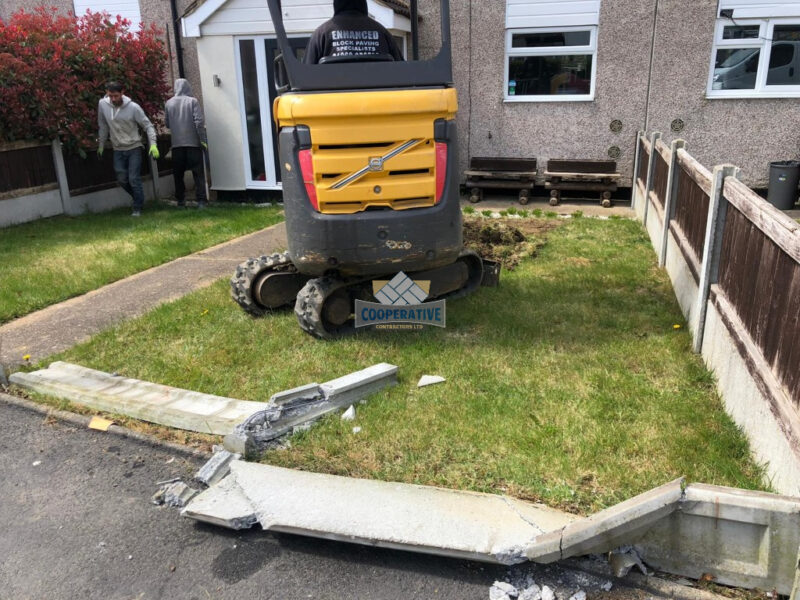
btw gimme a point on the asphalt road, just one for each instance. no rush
(76, 521)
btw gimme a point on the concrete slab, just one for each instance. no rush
(223, 504)
(475, 526)
(61, 326)
(173, 407)
(588, 206)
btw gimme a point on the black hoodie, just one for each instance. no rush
(350, 33)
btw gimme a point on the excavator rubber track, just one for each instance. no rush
(246, 280)
(324, 305)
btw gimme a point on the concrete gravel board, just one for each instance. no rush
(743, 538)
(471, 525)
(173, 407)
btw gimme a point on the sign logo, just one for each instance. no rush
(376, 163)
(401, 300)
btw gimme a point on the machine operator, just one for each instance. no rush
(351, 33)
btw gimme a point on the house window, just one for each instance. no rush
(128, 9)
(755, 58)
(550, 64)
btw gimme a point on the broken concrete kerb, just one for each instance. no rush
(296, 408)
(742, 538)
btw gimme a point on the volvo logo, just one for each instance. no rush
(375, 163)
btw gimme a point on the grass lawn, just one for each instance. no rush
(50, 260)
(568, 384)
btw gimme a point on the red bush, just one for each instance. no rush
(53, 71)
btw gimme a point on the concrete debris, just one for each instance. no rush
(501, 590)
(158, 497)
(356, 429)
(223, 504)
(304, 393)
(36, 463)
(430, 380)
(216, 468)
(349, 414)
(606, 587)
(168, 481)
(623, 559)
(286, 411)
(178, 494)
(532, 592)
(579, 595)
(742, 538)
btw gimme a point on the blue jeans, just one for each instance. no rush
(128, 166)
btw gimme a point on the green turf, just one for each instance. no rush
(50, 260)
(568, 384)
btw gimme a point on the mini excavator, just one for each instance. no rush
(368, 155)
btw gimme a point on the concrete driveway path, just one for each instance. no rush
(61, 326)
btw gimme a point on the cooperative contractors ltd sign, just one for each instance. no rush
(400, 301)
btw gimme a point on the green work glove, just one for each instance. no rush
(154, 152)
(204, 145)
(100, 151)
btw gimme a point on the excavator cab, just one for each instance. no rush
(368, 153)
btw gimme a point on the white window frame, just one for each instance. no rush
(764, 44)
(590, 50)
(265, 112)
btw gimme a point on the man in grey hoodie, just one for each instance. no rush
(121, 118)
(184, 117)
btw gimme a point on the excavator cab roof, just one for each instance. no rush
(334, 75)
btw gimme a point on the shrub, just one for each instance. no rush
(53, 70)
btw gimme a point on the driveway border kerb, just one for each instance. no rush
(83, 421)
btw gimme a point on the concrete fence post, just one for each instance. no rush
(654, 137)
(669, 201)
(637, 156)
(709, 267)
(61, 174)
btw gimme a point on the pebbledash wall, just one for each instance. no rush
(676, 36)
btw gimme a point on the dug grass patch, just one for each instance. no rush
(568, 384)
(54, 259)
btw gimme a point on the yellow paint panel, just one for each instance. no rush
(293, 109)
(350, 128)
(100, 423)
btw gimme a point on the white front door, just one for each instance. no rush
(254, 57)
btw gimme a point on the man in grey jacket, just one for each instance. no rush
(184, 117)
(121, 118)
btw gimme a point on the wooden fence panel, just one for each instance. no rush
(644, 161)
(26, 167)
(762, 283)
(660, 177)
(691, 211)
(92, 174)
